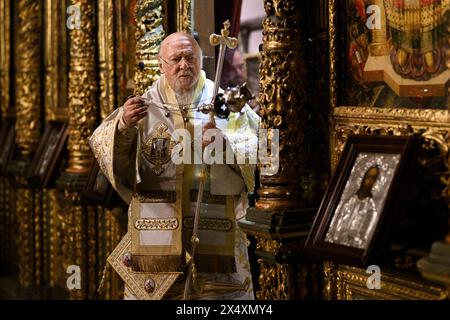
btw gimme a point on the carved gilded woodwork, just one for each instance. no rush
(28, 75)
(76, 243)
(350, 283)
(268, 245)
(149, 35)
(54, 235)
(79, 236)
(115, 230)
(104, 235)
(433, 125)
(106, 20)
(37, 223)
(45, 278)
(282, 280)
(55, 62)
(105, 227)
(82, 89)
(5, 61)
(344, 282)
(28, 125)
(273, 279)
(9, 222)
(184, 22)
(25, 238)
(282, 100)
(111, 229)
(93, 255)
(329, 283)
(61, 250)
(332, 17)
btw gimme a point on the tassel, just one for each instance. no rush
(140, 263)
(215, 263)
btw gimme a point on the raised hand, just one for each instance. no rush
(135, 110)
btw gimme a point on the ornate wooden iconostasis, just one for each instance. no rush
(383, 82)
(65, 65)
(373, 90)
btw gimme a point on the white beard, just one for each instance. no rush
(185, 98)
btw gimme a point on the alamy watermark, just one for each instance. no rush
(74, 280)
(74, 19)
(373, 17)
(228, 147)
(374, 280)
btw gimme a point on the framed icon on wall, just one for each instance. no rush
(364, 199)
(49, 154)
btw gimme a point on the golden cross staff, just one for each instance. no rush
(224, 40)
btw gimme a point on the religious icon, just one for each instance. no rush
(358, 211)
(49, 154)
(45, 159)
(157, 148)
(160, 148)
(365, 199)
(397, 53)
(358, 51)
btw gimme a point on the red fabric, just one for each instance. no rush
(361, 8)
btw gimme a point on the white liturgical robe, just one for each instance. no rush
(143, 165)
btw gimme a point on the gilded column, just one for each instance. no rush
(78, 247)
(273, 278)
(25, 238)
(184, 22)
(55, 46)
(93, 241)
(82, 104)
(82, 88)
(5, 47)
(149, 35)
(106, 56)
(117, 228)
(28, 126)
(281, 216)
(55, 236)
(333, 58)
(28, 75)
(38, 223)
(103, 252)
(11, 218)
(282, 101)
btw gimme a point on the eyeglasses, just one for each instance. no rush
(174, 61)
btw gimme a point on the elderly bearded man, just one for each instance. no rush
(133, 147)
